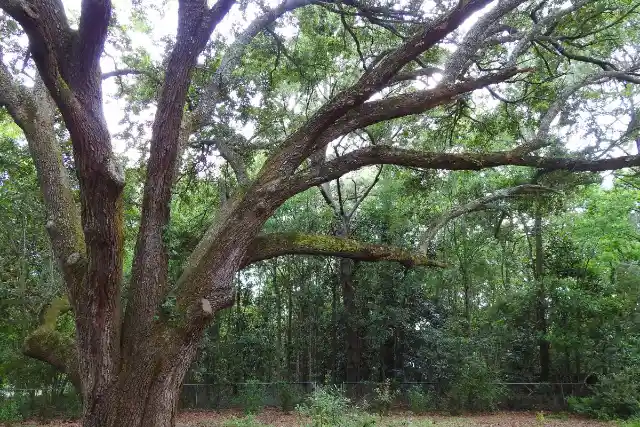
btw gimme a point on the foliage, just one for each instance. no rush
(419, 400)
(383, 397)
(475, 387)
(289, 396)
(247, 421)
(617, 396)
(251, 397)
(9, 411)
(326, 407)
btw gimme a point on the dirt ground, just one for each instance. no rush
(276, 418)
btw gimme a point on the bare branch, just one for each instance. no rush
(130, 72)
(414, 74)
(214, 92)
(475, 206)
(365, 194)
(541, 139)
(272, 245)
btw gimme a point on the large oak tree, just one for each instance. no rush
(127, 360)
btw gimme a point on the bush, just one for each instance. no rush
(288, 397)
(248, 421)
(9, 411)
(420, 401)
(251, 397)
(617, 396)
(326, 407)
(475, 387)
(383, 398)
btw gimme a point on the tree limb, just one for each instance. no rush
(216, 88)
(50, 346)
(474, 206)
(298, 146)
(476, 38)
(149, 272)
(411, 103)
(381, 154)
(272, 245)
(33, 111)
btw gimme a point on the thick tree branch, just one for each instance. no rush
(216, 89)
(272, 245)
(458, 62)
(70, 69)
(92, 31)
(541, 138)
(381, 154)
(304, 141)
(33, 111)
(207, 273)
(411, 103)
(150, 266)
(50, 346)
(475, 206)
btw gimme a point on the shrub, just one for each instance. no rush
(9, 411)
(248, 421)
(358, 420)
(475, 387)
(419, 400)
(288, 397)
(383, 397)
(251, 397)
(616, 396)
(326, 407)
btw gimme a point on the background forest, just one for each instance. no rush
(504, 276)
(536, 287)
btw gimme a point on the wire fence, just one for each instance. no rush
(218, 396)
(520, 395)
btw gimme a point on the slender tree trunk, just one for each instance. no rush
(352, 339)
(289, 330)
(541, 305)
(334, 332)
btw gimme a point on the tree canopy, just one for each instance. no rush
(264, 130)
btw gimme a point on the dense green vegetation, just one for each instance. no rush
(460, 327)
(322, 213)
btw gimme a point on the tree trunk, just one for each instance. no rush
(541, 305)
(352, 339)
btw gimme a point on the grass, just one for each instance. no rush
(276, 418)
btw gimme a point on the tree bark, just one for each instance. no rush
(541, 304)
(352, 335)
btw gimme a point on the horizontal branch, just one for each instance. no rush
(412, 103)
(50, 346)
(130, 72)
(273, 245)
(382, 154)
(475, 206)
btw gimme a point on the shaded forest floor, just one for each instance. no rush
(277, 418)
